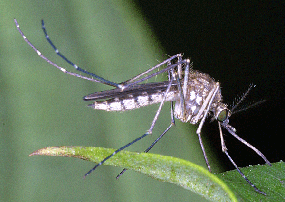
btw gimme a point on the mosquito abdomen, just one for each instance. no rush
(132, 102)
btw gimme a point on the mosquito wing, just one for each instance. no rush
(132, 97)
(133, 91)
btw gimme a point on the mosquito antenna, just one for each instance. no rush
(248, 106)
(242, 97)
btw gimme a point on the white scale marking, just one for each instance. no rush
(129, 104)
(199, 100)
(143, 100)
(192, 95)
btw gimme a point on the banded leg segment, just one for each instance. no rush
(48, 60)
(102, 80)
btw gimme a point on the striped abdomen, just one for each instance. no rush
(132, 98)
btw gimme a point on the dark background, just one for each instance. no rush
(237, 43)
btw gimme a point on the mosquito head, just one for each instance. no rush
(222, 113)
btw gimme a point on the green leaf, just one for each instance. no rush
(164, 168)
(269, 179)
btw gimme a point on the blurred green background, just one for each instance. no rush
(40, 106)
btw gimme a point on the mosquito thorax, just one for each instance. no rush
(199, 86)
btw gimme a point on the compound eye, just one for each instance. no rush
(223, 115)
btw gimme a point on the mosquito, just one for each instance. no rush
(194, 96)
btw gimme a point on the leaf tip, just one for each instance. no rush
(51, 151)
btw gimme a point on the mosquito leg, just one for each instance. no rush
(151, 69)
(179, 67)
(126, 85)
(167, 129)
(172, 122)
(198, 132)
(186, 77)
(139, 138)
(154, 143)
(224, 149)
(231, 130)
(147, 150)
(110, 83)
(205, 109)
(49, 61)
(115, 152)
(204, 152)
(180, 90)
(160, 107)
(164, 132)
(249, 182)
